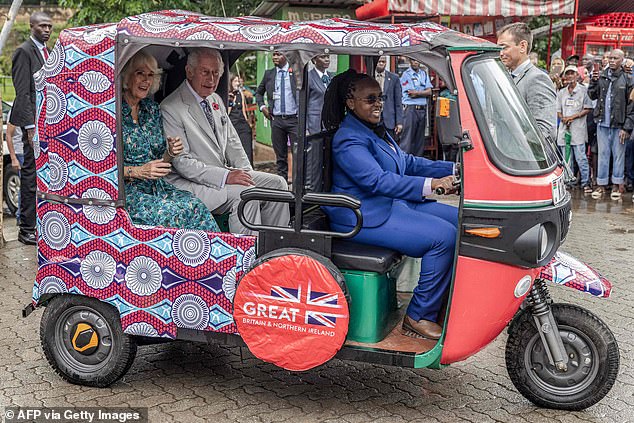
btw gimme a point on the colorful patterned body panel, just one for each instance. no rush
(566, 270)
(183, 25)
(159, 279)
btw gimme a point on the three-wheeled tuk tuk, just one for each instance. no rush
(301, 295)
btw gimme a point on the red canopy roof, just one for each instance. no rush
(380, 8)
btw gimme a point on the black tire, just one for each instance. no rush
(98, 365)
(11, 187)
(584, 335)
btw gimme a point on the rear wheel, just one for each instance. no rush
(593, 359)
(83, 341)
(11, 187)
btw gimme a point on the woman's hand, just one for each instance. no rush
(446, 183)
(174, 146)
(151, 170)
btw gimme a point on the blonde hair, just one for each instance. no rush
(142, 58)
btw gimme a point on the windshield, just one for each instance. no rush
(511, 137)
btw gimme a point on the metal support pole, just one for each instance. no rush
(574, 28)
(550, 42)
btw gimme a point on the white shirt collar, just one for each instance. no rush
(521, 67)
(284, 68)
(38, 44)
(320, 73)
(194, 93)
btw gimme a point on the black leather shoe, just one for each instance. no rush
(27, 238)
(421, 329)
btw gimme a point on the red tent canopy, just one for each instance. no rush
(509, 8)
(380, 8)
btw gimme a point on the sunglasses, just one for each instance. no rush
(372, 99)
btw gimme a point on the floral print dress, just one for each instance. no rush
(156, 202)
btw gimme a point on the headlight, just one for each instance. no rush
(543, 242)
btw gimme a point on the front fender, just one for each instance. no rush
(566, 270)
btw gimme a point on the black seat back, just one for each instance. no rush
(318, 162)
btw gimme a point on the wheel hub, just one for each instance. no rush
(581, 369)
(84, 339)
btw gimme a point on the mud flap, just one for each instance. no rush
(566, 270)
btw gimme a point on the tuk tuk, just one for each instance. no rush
(301, 295)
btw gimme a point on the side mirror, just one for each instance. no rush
(448, 121)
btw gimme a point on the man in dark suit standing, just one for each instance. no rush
(28, 59)
(393, 105)
(281, 108)
(318, 80)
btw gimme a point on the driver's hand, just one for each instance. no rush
(447, 183)
(239, 177)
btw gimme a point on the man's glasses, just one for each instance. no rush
(372, 99)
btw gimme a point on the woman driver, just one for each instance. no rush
(391, 185)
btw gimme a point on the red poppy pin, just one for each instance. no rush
(290, 70)
(215, 106)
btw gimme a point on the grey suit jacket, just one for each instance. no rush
(207, 155)
(315, 102)
(538, 91)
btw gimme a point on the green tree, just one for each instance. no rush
(103, 11)
(540, 45)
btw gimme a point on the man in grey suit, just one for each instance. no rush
(214, 165)
(318, 80)
(534, 86)
(390, 83)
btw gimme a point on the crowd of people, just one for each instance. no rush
(586, 105)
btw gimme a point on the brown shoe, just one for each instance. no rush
(421, 329)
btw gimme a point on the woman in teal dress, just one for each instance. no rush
(147, 155)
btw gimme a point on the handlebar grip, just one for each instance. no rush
(333, 200)
(440, 191)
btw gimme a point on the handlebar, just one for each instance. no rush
(441, 190)
(320, 199)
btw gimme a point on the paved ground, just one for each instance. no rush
(192, 382)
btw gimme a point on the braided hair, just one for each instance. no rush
(340, 89)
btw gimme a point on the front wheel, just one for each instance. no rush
(83, 341)
(593, 359)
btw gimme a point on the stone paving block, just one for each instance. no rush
(185, 382)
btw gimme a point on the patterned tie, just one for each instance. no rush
(326, 79)
(283, 92)
(208, 114)
(45, 53)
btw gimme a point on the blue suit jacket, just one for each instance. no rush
(393, 106)
(365, 167)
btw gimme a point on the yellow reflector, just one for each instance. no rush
(484, 232)
(443, 107)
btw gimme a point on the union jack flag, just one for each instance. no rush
(316, 307)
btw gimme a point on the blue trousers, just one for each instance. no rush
(426, 230)
(629, 158)
(579, 153)
(413, 135)
(610, 147)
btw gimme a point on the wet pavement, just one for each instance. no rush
(188, 382)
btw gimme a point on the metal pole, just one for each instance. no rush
(550, 41)
(574, 28)
(6, 28)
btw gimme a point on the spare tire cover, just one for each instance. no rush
(292, 312)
